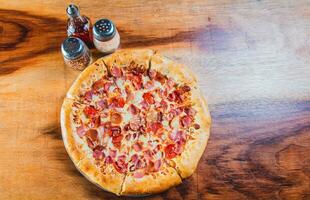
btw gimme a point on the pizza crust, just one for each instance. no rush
(121, 58)
(107, 178)
(86, 78)
(179, 72)
(149, 184)
(189, 159)
(73, 144)
(187, 162)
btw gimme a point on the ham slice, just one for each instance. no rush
(129, 97)
(135, 123)
(190, 111)
(112, 153)
(169, 116)
(149, 85)
(98, 155)
(120, 165)
(186, 121)
(196, 126)
(94, 122)
(157, 165)
(121, 158)
(133, 109)
(170, 151)
(137, 147)
(81, 130)
(164, 104)
(90, 143)
(107, 86)
(148, 97)
(90, 111)
(186, 88)
(103, 104)
(108, 160)
(145, 105)
(160, 78)
(116, 72)
(136, 81)
(134, 158)
(92, 134)
(152, 73)
(179, 148)
(160, 116)
(98, 85)
(170, 83)
(177, 136)
(155, 127)
(139, 164)
(147, 155)
(138, 174)
(88, 95)
(117, 91)
(127, 137)
(115, 118)
(118, 102)
(163, 93)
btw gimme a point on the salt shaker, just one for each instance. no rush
(76, 54)
(105, 36)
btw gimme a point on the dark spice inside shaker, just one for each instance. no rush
(76, 54)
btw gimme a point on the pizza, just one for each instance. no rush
(135, 123)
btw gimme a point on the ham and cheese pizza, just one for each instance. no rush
(135, 123)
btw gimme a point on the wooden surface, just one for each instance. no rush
(252, 59)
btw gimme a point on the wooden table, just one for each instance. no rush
(252, 59)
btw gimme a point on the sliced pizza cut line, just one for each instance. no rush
(84, 149)
(186, 162)
(73, 144)
(154, 182)
(86, 79)
(187, 145)
(137, 60)
(180, 73)
(103, 176)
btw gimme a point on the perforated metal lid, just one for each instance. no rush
(72, 10)
(72, 48)
(104, 30)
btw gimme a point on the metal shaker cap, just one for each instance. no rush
(72, 10)
(104, 30)
(72, 48)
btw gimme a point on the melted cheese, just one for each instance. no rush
(95, 97)
(138, 97)
(175, 123)
(126, 117)
(158, 85)
(145, 79)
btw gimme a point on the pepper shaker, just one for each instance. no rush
(106, 37)
(76, 54)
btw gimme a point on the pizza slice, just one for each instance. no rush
(187, 119)
(90, 84)
(139, 183)
(74, 144)
(147, 172)
(89, 146)
(137, 60)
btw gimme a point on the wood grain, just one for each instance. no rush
(252, 60)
